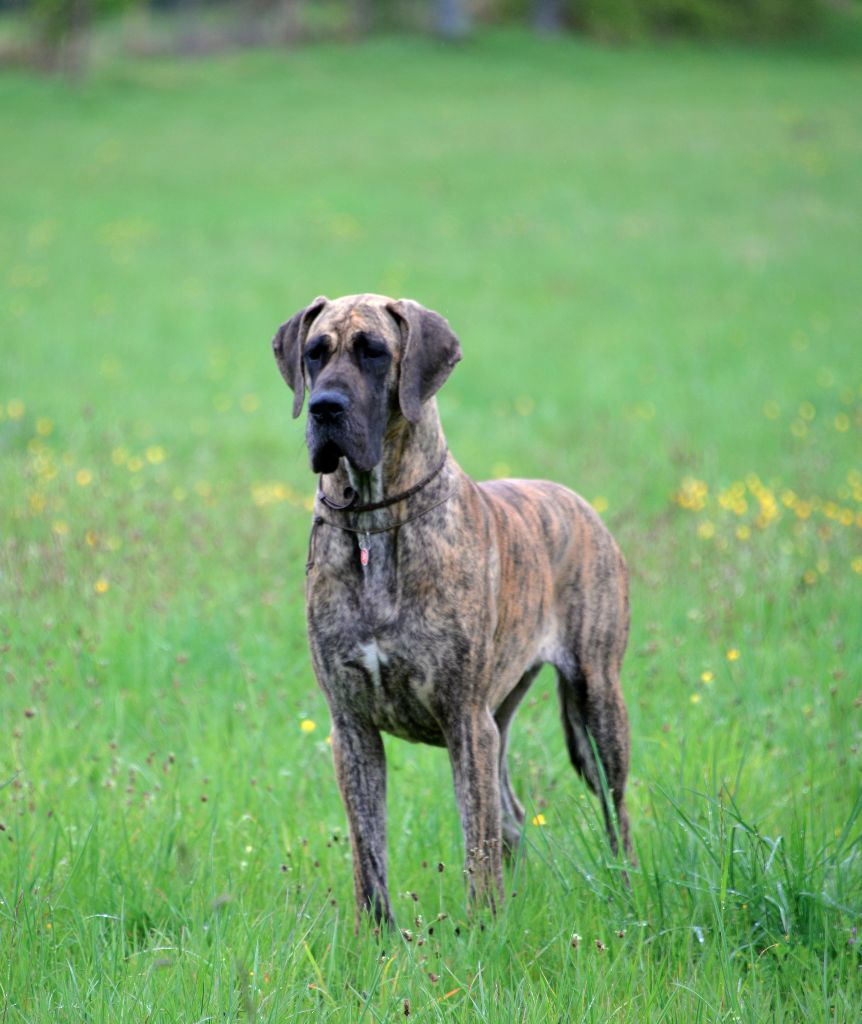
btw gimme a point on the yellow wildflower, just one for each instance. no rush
(733, 654)
(307, 725)
(101, 586)
(269, 493)
(539, 819)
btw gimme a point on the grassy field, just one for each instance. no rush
(652, 258)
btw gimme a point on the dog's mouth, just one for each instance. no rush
(326, 451)
(325, 457)
(328, 443)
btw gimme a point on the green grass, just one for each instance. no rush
(652, 259)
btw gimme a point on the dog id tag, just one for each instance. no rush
(363, 552)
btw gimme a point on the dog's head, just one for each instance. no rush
(365, 360)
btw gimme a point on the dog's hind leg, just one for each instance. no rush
(595, 720)
(513, 811)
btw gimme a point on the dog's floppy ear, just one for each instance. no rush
(287, 348)
(430, 352)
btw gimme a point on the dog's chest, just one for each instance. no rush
(374, 659)
(396, 687)
(380, 626)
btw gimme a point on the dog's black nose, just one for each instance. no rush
(328, 405)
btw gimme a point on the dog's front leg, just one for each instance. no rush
(360, 767)
(474, 749)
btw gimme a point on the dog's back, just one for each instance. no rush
(550, 537)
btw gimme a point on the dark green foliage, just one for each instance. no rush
(626, 20)
(630, 19)
(62, 27)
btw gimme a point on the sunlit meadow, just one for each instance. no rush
(652, 259)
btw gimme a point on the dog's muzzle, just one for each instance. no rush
(328, 429)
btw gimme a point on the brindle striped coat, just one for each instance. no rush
(434, 629)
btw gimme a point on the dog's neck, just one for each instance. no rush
(410, 453)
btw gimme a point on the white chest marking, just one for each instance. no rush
(372, 658)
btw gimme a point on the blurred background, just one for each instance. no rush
(644, 222)
(61, 33)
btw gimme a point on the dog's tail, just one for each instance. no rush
(596, 728)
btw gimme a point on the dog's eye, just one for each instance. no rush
(369, 350)
(317, 352)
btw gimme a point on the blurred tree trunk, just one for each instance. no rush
(291, 20)
(191, 34)
(63, 31)
(362, 21)
(268, 22)
(453, 19)
(79, 37)
(548, 15)
(250, 31)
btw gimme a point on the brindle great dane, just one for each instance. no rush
(432, 600)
